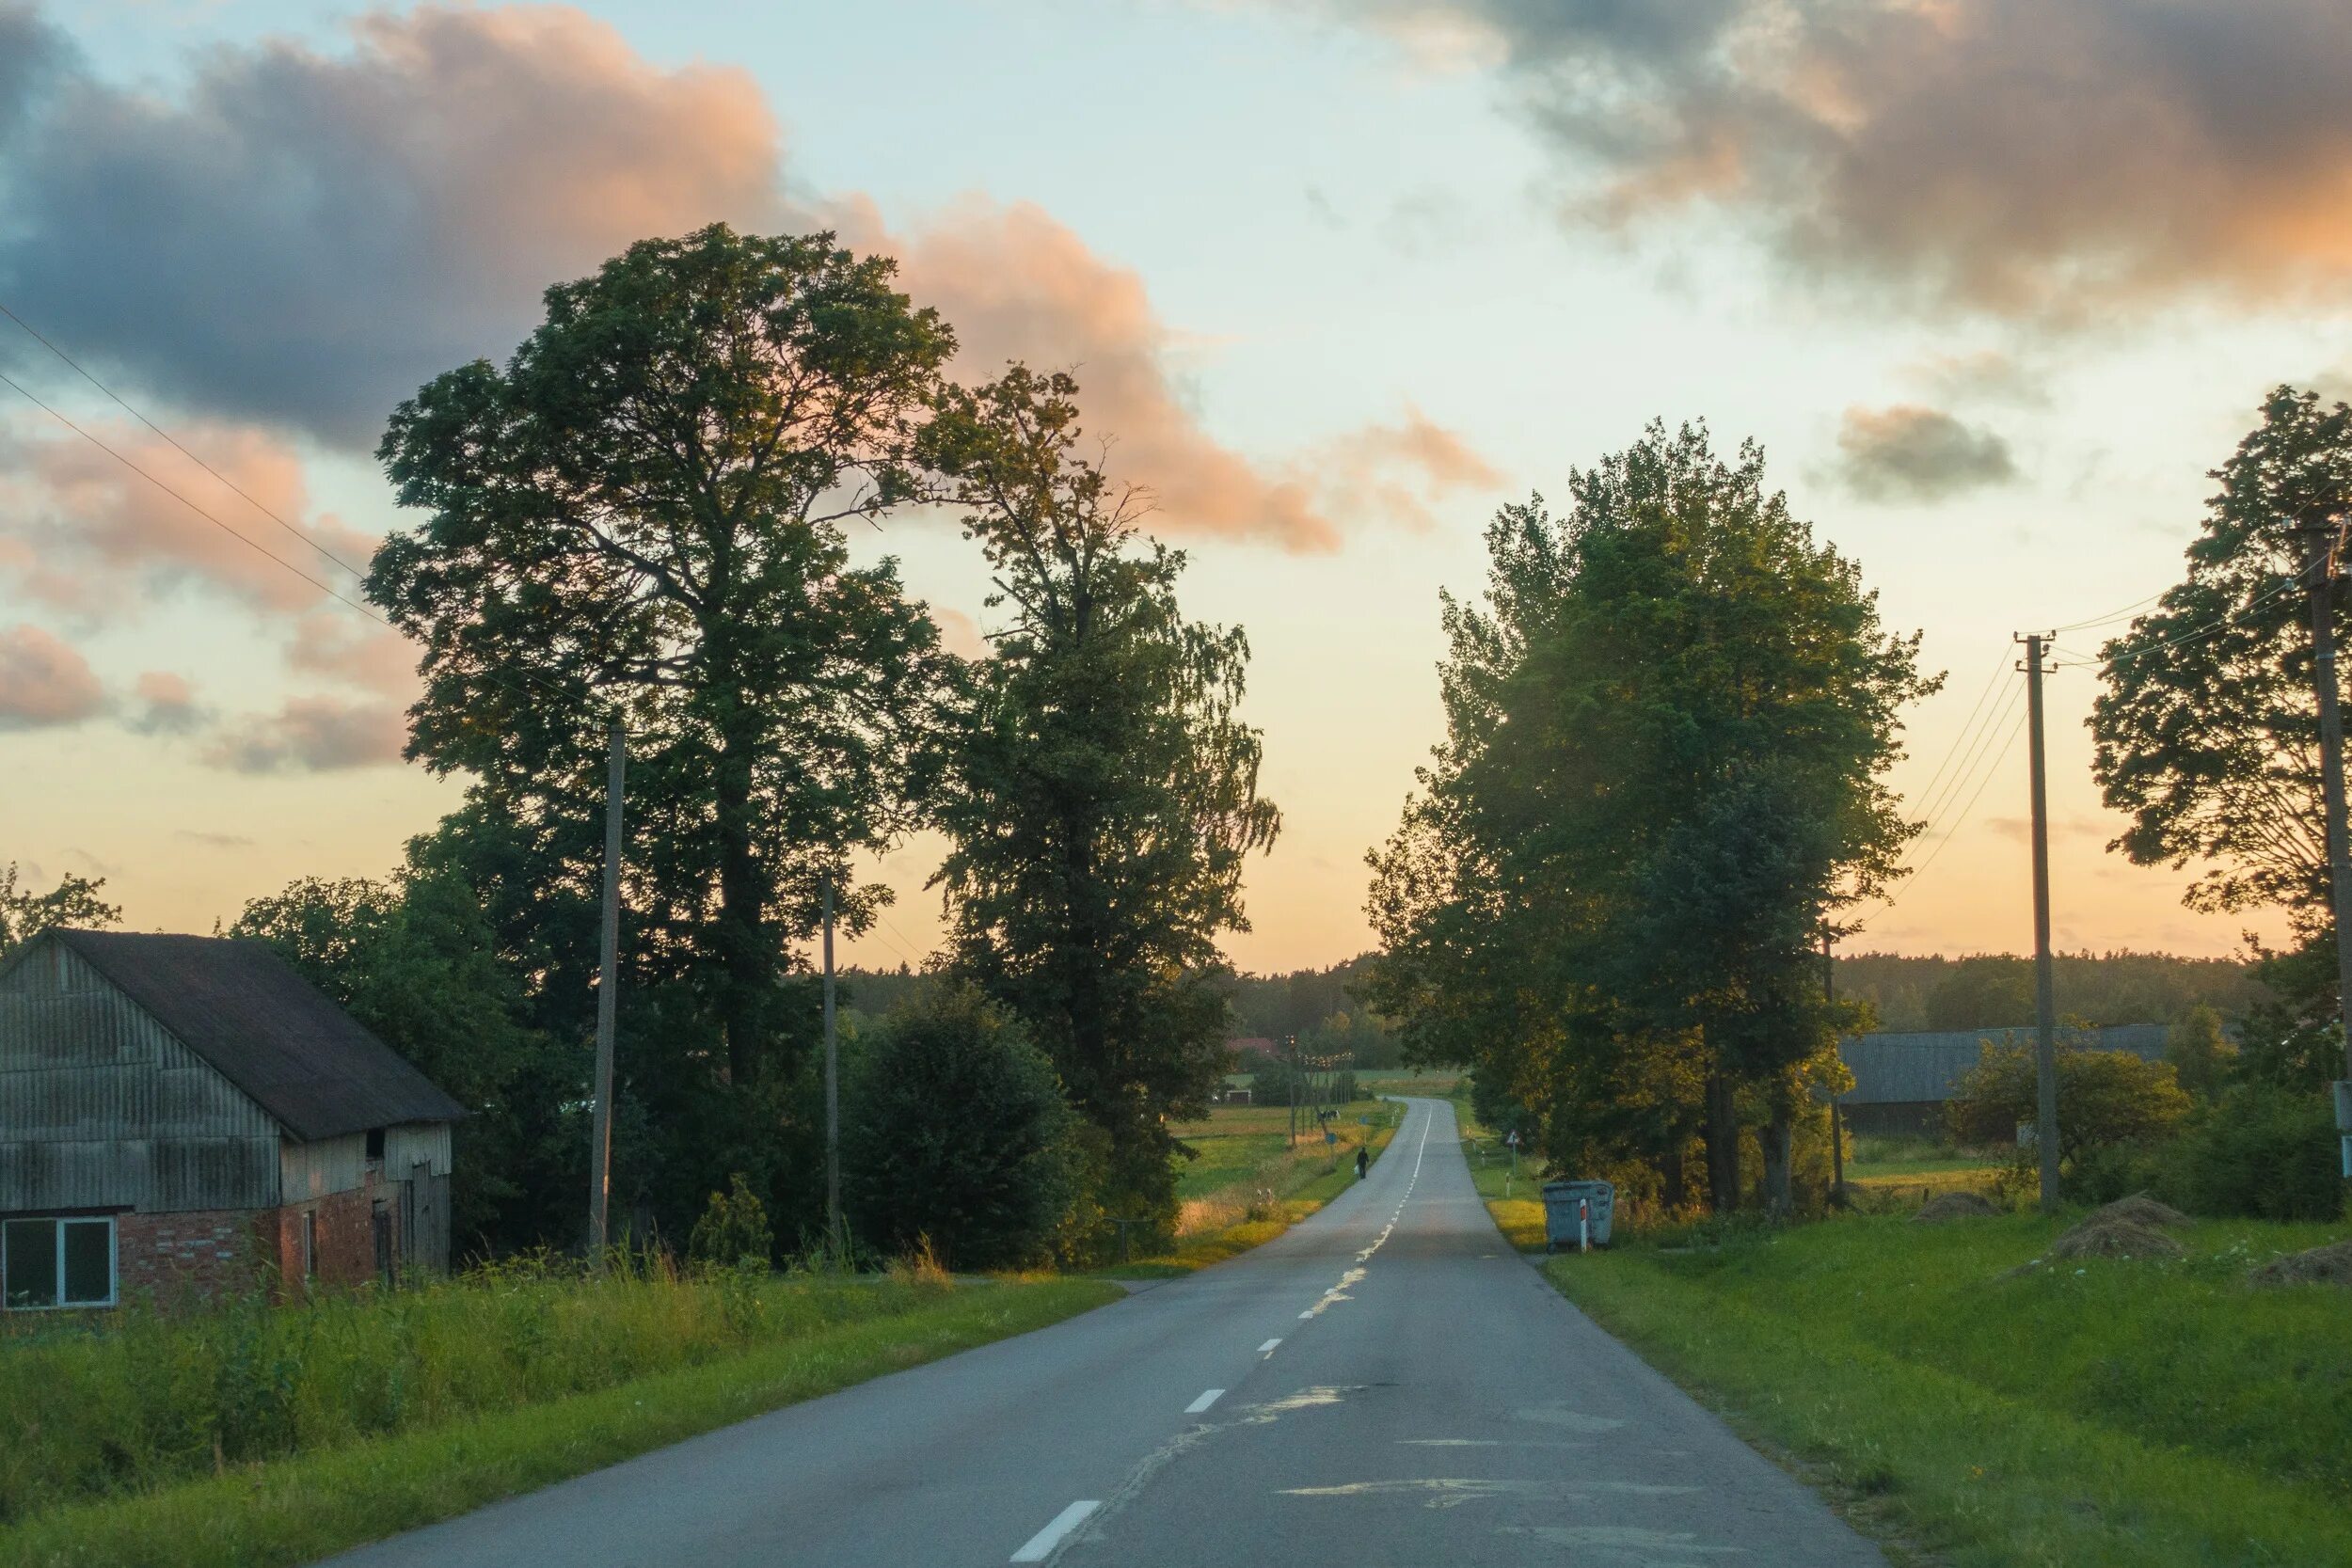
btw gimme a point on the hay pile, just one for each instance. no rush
(2114, 1238)
(2138, 1208)
(2322, 1265)
(1952, 1206)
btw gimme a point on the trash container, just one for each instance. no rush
(1575, 1208)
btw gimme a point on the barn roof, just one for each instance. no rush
(267, 1030)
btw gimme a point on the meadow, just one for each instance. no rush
(1963, 1399)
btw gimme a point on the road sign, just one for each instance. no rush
(1330, 1137)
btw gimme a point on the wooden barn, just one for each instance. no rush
(180, 1113)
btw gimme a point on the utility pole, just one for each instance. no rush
(2321, 541)
(1292, 1040)
(608, 996)
(2045, 1003)
(1837, 1133)
(832, 1090)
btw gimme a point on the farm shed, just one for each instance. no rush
(1901, 1081)
(179, 1113)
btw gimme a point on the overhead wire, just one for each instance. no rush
(1911, 878)
(1966, 726)
(177, 445)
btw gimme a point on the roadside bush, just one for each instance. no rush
(2260, 1152)
(734, 1230)
(955, 1130)
(2105, 1098)
(2201, 1055)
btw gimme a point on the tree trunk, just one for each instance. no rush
(1778, 1138)
(1723, 1143)
(744, 953)
(1677, 1181)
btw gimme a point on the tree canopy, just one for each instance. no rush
(641, 514)
(1102, 790)
(1668, 728)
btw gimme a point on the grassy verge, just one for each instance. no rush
(1249, 1185)
(306, 1504)
(1894, 1167)
(1514, 1198)
(2085, 1414)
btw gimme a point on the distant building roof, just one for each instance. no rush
(266, 1029)
(1915, 1068)
(1258, 1043)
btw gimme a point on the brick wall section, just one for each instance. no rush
(346, 1234)
(170, 1257)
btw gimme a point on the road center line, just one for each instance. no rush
(1042, 1545)
(1204, 1402)
(1267, 1349)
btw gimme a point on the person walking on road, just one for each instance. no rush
(1363, 1162)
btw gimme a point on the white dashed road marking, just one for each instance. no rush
(1267, 1349)
(1042, 1545)
(1204, 1402)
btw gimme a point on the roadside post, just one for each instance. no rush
(1583, 1225)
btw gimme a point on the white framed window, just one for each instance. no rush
(57, 1262)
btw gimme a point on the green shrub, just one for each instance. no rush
(2260, 1152)
(2103, 1174)
(955, 1130)
(2105, 1097)
(734, 1230)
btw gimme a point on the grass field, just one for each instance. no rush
(1514, 1196)
(1249, 1184)
(2096, 1412)
(1896, 1166)
(261, 1437)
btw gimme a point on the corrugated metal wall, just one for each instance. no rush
(100, 1108)
(1919, 1067)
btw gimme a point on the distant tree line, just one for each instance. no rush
(1994, 990)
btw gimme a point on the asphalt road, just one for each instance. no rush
(1386, 1384)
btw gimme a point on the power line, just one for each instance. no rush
(245, 540)
(176, 444)
(1911, 878)
(1930, 810)
(249, 541)
(2210, 628)
(1967, 725)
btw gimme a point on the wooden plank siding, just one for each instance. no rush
(100, 1108)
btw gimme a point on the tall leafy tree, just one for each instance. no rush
(1102, 790)
(2206, 732)
(644, 510)
(1668, 728)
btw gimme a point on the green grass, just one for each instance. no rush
(1263, 1185)
(2102, 1413)
(393, 1414)
(1905, 1162)
(1515, 1198)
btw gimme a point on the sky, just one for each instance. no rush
(1994, 284)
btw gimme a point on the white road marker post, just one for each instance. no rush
(1583, 1225)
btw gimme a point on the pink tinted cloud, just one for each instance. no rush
(311, 734)
(304, 236)
(165, 705)
(43, 681)
(1017, 284)
(340, 644)
(84, 531)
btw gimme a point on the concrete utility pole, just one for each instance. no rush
(608, 996)
(1837, 1133)
(2321, 541)
(833, 1089)
(2044, 1003)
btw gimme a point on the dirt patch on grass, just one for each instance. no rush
(1953, 1206)
(2322, 1265)
(2138, 1208)
(2098, 1238)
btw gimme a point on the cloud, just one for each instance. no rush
(43, 683)
(1991, 375)
(299, 238)
(1019, 285)
(213, 841)
(2030, 159)
(166, 705)
(1398, 472)
(959, 633)
(1908, 454)
(311, 734)
(82, 532)
(305, 238)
